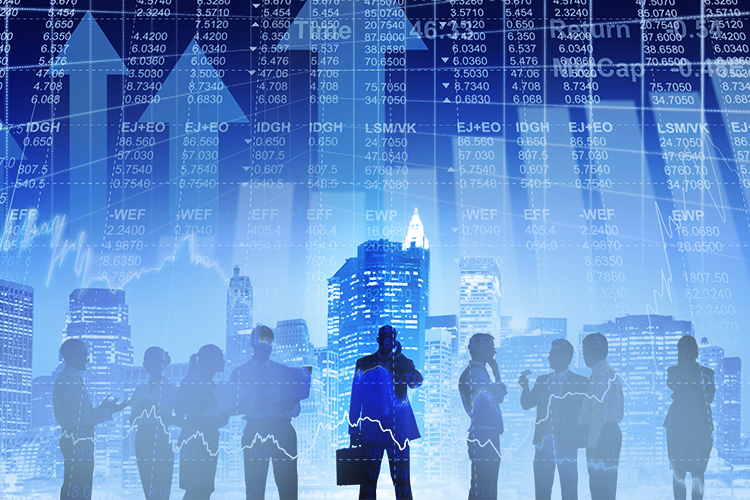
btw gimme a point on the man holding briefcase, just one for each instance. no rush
(381, 418)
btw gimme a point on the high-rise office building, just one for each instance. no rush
(292, 347)
(99, 317)
(712, 356)
(239, 320)
(42, 412)
(16, 328)
(386, 283)
(291, 343)
(479, 301)
(439, 396)
(732, 410)
(239, 326)
(641, 348)
(328, 364)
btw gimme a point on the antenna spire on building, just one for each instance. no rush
(415, 234)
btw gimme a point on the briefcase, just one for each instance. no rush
(352, 466)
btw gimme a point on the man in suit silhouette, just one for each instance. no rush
(602, 411)
(276, 391)
(558, 397)
(381, 418)
(77, 418)
(481, 398)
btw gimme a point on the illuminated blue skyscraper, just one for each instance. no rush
(712, 356)
(42, 413)
(386, 283)
(731, 411)
(99, 317)
(16, 327)
(239, 320)
(443, 422)
(479, 301)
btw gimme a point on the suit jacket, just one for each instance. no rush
(481, 397)
(564, 421)
(379, 392)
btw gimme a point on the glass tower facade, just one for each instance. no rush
(731, 411)
(99, 317)
(386, 283)
(239, 320)
(16, 328)
(479, 301)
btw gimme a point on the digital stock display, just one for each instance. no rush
(177, 172)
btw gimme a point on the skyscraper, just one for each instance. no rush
(16, 328)
(731, 411)
(99, 317)
(712, 356)
(479, 301)
(239, 325)
(292, 347)
(42, 413)
(439, 394)
(328, 363)
(239, 320)
(386, 283)
(641, 348)
(291, 343)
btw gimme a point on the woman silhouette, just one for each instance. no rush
(689, 421)
(153, 404)
(199, 438)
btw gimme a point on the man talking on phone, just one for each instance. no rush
(481, 397)
(381, 418)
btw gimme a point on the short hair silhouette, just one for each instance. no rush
(480, 341)
(565, 347)
(72, 348)
(597, 344)
(264, 333)
(387, 330)
(688, 347)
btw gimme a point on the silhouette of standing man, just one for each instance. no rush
(602, 411)
(77, 418)
(379, 399)
(558, 397)
(275, 394)
(199, 438)
(689, 421)
(153, 413)
(481, 398)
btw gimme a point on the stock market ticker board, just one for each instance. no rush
(175, 172)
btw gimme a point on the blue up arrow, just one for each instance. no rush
(198, 107)
(356, 44)
(88, 58)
